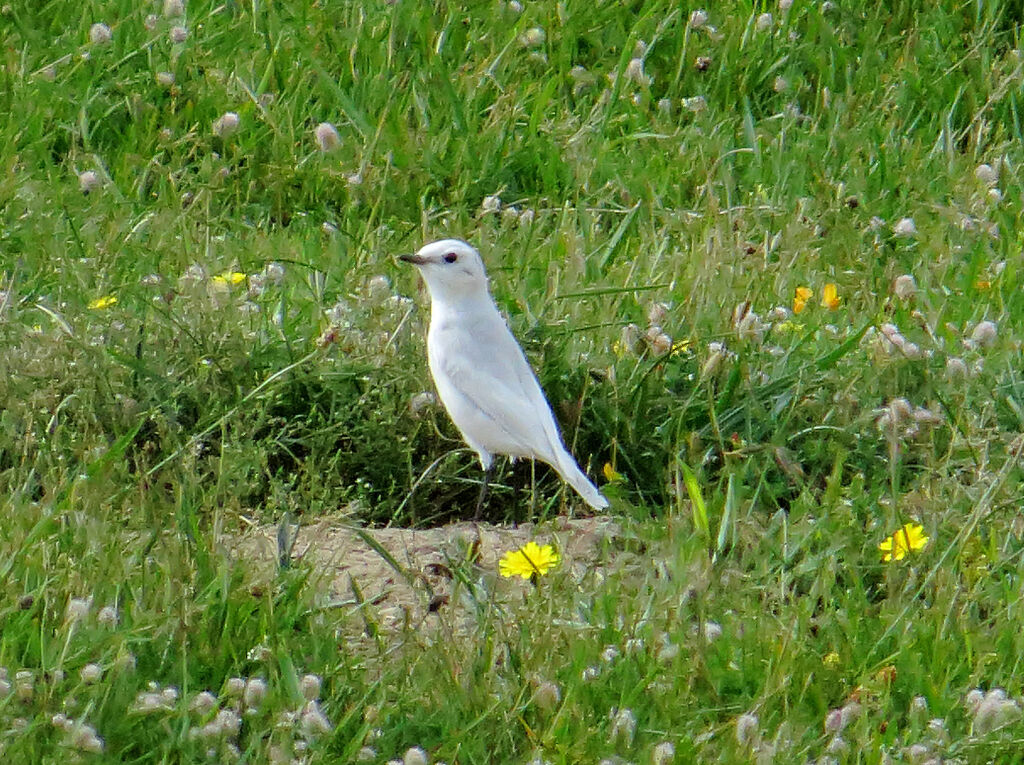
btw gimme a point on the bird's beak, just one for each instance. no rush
(416, 260)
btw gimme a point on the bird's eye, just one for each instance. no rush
(451, 257)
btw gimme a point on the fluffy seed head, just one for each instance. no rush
(88, 180)
(747, 729)
(310, 687)
(698, 19)
(91, 673)
(987, 174)
(100, 34)
(165, 79)
(663, 753)
(226, 125)
(623, 726)
(764, 22)
(415, 756)
(904, 287)
(984, 335)
(255, 692)
(174, 8)
(327, 138)
(905, 228)
(547, 696)
(179, 33)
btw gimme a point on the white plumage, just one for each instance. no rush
(481, 374)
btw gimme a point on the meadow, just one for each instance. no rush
(765, 259)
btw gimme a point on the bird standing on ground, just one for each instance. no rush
(481, 374)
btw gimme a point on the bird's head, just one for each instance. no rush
(452, 269)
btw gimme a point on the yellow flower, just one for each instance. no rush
(103, 302)
(830, 297)
(529, 560)
(803, 294)
(611, 475)
(680, 347)
(789, 326)
(910, 538)
(831, 660)
(982, 284)
(228, 279)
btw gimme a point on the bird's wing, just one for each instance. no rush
(485, 364)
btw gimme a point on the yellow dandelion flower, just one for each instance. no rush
(803, 294)
(102, 302)
(529, 560)
(229, 279)
(830, 297)
(680, 347)
(611, 475)
(910, 538)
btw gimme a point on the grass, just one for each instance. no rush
(653, 221)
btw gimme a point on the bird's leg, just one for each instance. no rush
(488, 475)
(533, 489)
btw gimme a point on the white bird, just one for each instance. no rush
(481, 374)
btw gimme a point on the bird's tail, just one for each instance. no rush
(572, 475)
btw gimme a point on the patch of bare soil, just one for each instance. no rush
(420, 576)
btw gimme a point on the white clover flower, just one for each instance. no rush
(100, 34)
(228, 722)
(609, 654)
(515, 6)
(995, 196)
(547, 696)
(179, 34)
(61, 721)
(634, 646)
(174, 8)
(904, 287)
(747, 733)
(667, 653)
(169, 696)
(623, 726)
(509, 214)
(661, 344)
(985, 334)
(937, 729)
(785, 5)
(78, 609)
(226, 125)
(712, 631)
(635, 72)
(91, 673)
(234, 687)
(665, 106)
(837, 746)
(956, 369)
(354, 179)
(663, 754)
(987, 174)
(533, 37)
(203, 703)
(366, 754)
(415, 756)
(421, 401)
(698, 19)
(88, 181)
(695, 104)
(165, 79)
(526, 217)
(780, 85)
(995, 711)
(905, 228)
(309, 685)
(84, 738)
(255, 692)
(151, 21)
(764, 22)
(313, 721)
(590, 673)
(657, 312)
(327, 138)
(491, 204)
(24, 685)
